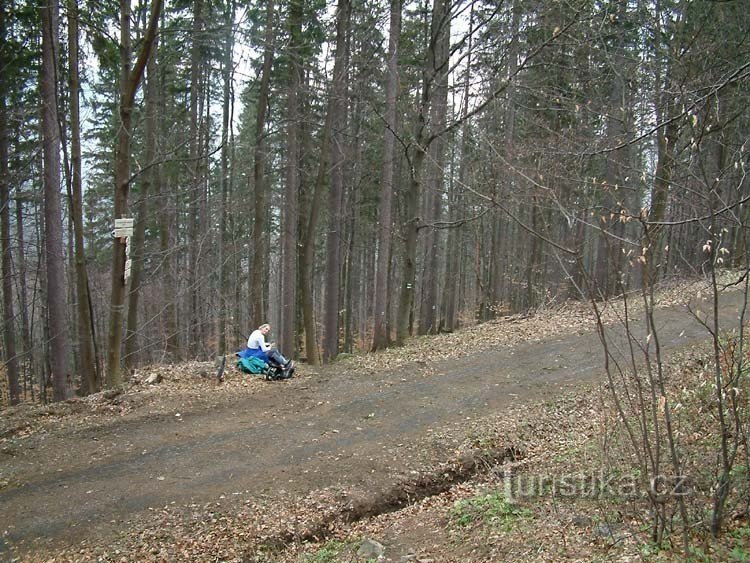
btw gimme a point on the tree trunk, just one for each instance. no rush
(27, 355)
(666, 137)
(203, 236)
(497, 268)
(609, 250)
(413, 194)
(90, 376)
(410, 233)
(259, 264)
(534, 264)
(453, 265)
(194, 198)
(334, 238)
(289, 229)
(9, 334)
(352, 269)
(137, 251)
(166, 248)
(129, 81)
(307, 257)
(53, 241)
(381, 338)
(665, 162)
(499, 284)
(223, 259)
(435, 174)
(350, 279)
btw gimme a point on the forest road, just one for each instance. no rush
(331, 428)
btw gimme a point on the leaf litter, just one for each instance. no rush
(556, 437)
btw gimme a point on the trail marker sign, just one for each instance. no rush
(123, 227)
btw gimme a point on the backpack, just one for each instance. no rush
(252, 365)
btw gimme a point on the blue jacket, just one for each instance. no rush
(253, 353)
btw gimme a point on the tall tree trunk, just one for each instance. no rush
(166, 248)
(381, 338)
(259, 264)
(453, 265)
(167, 218)
(339, 107)
(435, 175)
(352, 269)
(307, 257)
(410, 233)
(43, 353)
(138, 248)
(351, 278)
(129, 81)
(194, 198)
(90, 376)
(308, 190)
(666, 140)
(53, 241)
(534, 264)
(203, 236)
(9, 334)
(421, 143)
(497, 284)
(289, 227)
(28, 350)
(609, 251)
(224, 291)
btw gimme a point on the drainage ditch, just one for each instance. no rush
(399, 495)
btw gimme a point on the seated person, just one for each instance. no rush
(259, 348)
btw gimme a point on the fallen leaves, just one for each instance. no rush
(552, 438)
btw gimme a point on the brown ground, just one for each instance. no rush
(167, 471)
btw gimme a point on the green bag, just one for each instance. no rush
(253, 365)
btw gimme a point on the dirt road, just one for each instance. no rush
(323, 429)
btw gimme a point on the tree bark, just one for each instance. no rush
(307, 257)
(289, 233)
(453, 265)
(138, 246)
(339, 105)
(90, 376)
(129, 81)
(381, 338)
(665, 163)
(194, 209)
(609, 250)
(412, 224)
(435, 174)
(259, 263)
(53, 241)
(27, 355)
(225, 172)
(9, 334)
(166, 247)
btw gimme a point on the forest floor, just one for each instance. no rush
(493, 443)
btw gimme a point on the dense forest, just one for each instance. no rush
(354, 173)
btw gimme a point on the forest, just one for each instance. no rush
(354, 172)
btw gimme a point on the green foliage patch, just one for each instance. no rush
(491, 509)
(330, 552)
